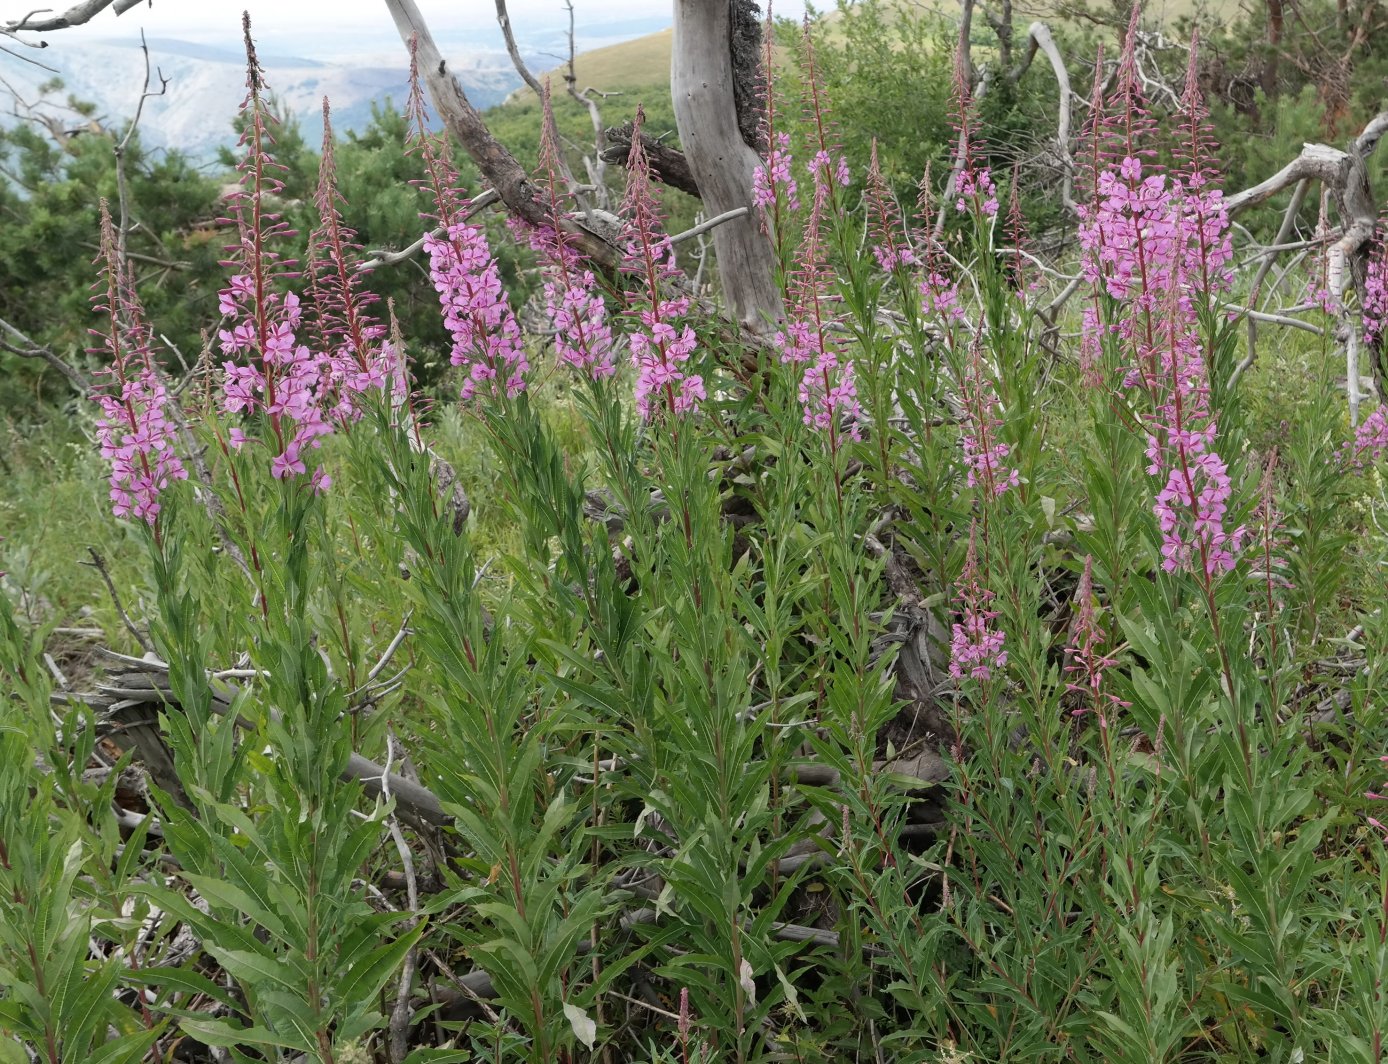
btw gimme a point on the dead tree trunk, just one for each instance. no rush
(1345, 174)
(467, 126)
(701, 83)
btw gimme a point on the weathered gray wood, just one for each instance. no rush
(701, 84)
(466, 125)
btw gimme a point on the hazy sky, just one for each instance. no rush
(201, 19)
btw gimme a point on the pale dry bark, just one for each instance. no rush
(43, 21)
(1344, 173)
(722, 163)
(465, 124)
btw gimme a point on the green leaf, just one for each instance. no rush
(366, 979)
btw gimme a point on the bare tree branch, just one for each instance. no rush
(667, 163)
(1039, 38)
(463, 121)
(381, 257)
(122, 184)
(24, 347)
(1268, 258)
(596, 164)
(76, 15)
(711, 223)
(1344, 177)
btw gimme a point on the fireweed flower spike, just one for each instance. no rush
(281, 376)
(975, 649)
(829, 165)
(133, 431)
(1086, 663)
(359, 356)
(888, 248)
(973, 184)
(1156, 244)
(582, 334)
(828, 392)
(661, 345)
(476, 309)
(984, 452)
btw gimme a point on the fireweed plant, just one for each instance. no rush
(922, 681)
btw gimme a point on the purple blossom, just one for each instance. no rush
(1158, 244)
(360, 359)
(775, 174)
(662, 344)
(1370, 441)
(268, 368)
(809, 337)
(1375, 301)
(1087, 664)
(573, 304)
(133, 430)
(976, 648)
(476, 312)
(984, 451)
(976, 188)
(890, 251)
(476, 309)
(829, 394)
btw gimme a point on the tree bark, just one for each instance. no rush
(1345, 173)
(667, 164)
(464, 123)
(701, 84)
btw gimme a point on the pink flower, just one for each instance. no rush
(889, 250)
(976, 648)
(662, 345)
(1375, 301)
(1370, 441)
(288, 463)
(133, 431)
(1158, 245)
(775, 174)
(984, 451)
(477, 312)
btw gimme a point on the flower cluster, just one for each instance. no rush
(573, 305)
(1370, 441)
(984, 451)
(890, 251)
(775, 173)
(829, 166)
(1190, 511)
(1375, 301)
(662, 344)
(975, 648)
(133, 429)
(971, 184)
(1087, 664)
(476, 309)
(1158, 244)
(360, 358)
(975, 186)
(828, 392)
(282, 376)
(268, 368)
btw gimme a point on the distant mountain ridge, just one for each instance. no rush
(207, 84)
